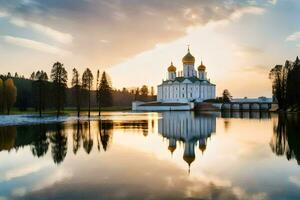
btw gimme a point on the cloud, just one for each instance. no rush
(293, 37)
(61, 37)
(247, 10)
(247, 50)
(261, 69)
(32, 44)
(56, 35)
(131, 26)
(3, 14)
(273, 2)
(104, 41)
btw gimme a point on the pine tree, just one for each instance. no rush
(296, 82)
(87, 83)
(77, 90)
(152, 91)
(32, 76)
(98, 92)
(276, 75)
(40, 90)
(105, 91)
(59, 76)
(137, 94)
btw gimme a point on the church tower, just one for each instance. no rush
(171, 72)
(201, 72)
(188, 65)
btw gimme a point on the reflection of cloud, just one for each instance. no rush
(108, 180)
(242, 194)
(2, 198)
(24, 170)
(55, 177)
(19, 192)
(32, 44)
(295, 180)
(293, 37)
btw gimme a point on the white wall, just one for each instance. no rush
(185, 92)
(136, 106)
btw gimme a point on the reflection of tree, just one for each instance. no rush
(58, 144)
(226, 124)
(77, 132)
(87, 138)
(278, 141)
(293, 131)
(105, 129)
(7, 137)
(40, 142)
(286, 137)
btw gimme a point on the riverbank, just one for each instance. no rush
(68, 110)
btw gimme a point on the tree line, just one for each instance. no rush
(42, 92)
(81, 88)
(286, 85)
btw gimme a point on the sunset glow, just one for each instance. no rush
(239, 41)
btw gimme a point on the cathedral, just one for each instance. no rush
(188, 85)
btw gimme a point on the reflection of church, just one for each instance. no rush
(188, 128)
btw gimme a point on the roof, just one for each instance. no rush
(192, 79)
(188, 58)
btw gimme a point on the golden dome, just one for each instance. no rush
(188, 58)
(171, 68)
(201, 67)
(189, 159)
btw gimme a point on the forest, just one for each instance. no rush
(286, 85)
(41, 92)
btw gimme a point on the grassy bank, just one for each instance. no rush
(70, 110)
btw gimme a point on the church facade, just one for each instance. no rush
(189, 85)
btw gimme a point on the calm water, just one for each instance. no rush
(171, 155)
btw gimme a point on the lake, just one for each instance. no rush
(168, 155)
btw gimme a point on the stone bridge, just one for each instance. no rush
(247, 106)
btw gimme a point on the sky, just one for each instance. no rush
(136, 40)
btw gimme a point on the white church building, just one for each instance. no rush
(185, 86)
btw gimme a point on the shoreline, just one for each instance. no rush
(67, 110)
